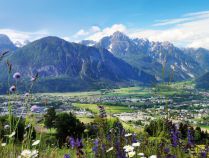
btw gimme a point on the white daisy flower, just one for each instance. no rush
(11, 135)
(110, 149)
(136, 144)
(141, 154)
(128, 148)
(128, 134)
(131, 154)
(29, 154)
(36, 143)
(34, 153)
(3, 144)
(26, 153)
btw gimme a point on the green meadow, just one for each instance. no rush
(168, 89)
(110, 109)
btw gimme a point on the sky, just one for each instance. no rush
(182, 22)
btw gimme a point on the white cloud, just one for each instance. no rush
(84, 33)
(190, 30)
(197, 13)
(95, 29)
(172, 35)
(21, 36)
(184, 18)
(107, 32)
(96, 33)
(81, 33)
(199, 43)
(66, 38)
(171, 21)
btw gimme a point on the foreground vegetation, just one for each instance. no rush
(62, 134)
(104, 137)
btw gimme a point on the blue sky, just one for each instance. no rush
(88, 19)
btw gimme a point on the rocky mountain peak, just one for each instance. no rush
(119, 36)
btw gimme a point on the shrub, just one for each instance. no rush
(50, 117)
(68, 125)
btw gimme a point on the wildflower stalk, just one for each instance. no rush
(9, 103)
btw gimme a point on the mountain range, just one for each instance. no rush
(161, 59)
(65, 66)
(115, 60)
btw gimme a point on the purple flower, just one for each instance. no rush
(16, 75)
(103, 148)
(134, 140)
(34, 78)
(170, 156)
(26, 95)
(79, 143)
(66, 156)
(166, 150)
(34, 108)
(96, 145)
(189, 137)
(203, 154)
(174, 137)
(119, 152)
(109, 137)
(12, 88)
(72, 142)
